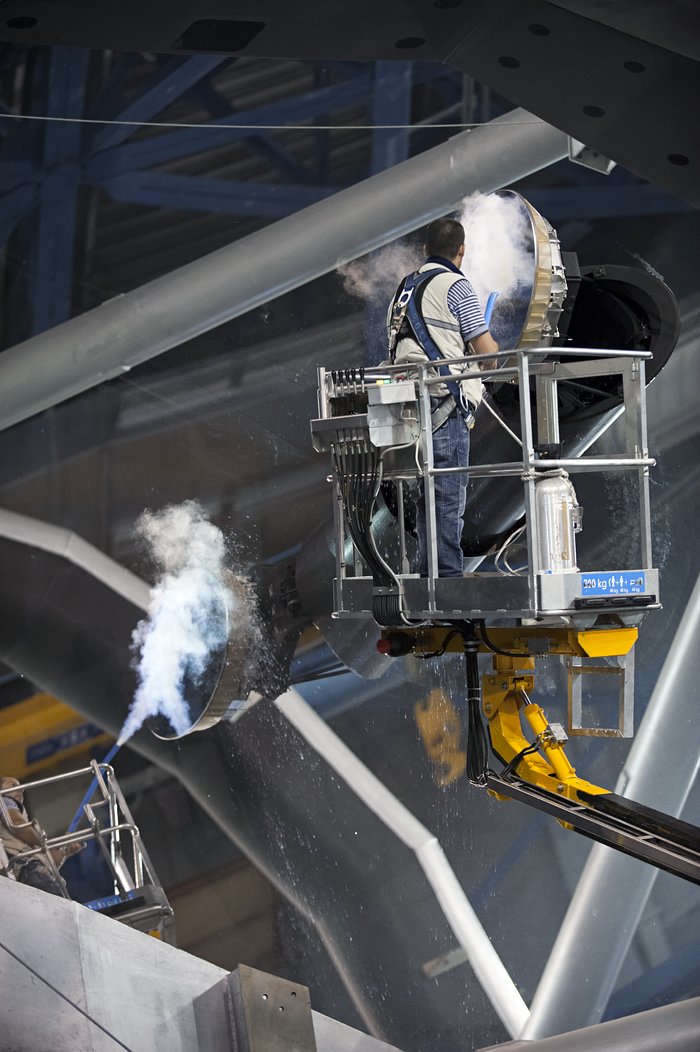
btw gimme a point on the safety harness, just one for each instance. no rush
(407, 320)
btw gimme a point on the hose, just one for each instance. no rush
(93, 785)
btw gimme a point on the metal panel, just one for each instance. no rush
(269, 1014)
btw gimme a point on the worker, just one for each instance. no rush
(18, 834)
(435, 315)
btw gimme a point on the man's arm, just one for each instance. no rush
(21, 829)
(463, 302)
(29, 835)
(484, 344)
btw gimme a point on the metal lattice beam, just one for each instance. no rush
(173, 81)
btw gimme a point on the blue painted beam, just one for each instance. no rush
(51, 277)
(109, 99)
(279, 158)
(184, 142)
(174, 81)
(391, 104)
(322, 137)
(200, 194)
(11, 54)
(6, 126)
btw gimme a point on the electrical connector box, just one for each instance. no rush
(385, 393)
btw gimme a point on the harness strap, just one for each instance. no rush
(442, 412)
(420, 331)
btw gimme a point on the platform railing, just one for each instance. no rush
(107, 821)
(547, 367)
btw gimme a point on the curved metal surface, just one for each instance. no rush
(528, 317)
(225, 686)
(621, 307)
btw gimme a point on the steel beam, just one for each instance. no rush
(391, 105)
(173, 81)
(57, 86)
(459, 913)
(282, 160)
(197, 193)
(671, 1028)
(184, 142)
(608, 902)
(124, 332)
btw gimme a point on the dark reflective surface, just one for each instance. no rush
(224, 419)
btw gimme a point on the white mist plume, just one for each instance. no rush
(185, 622)
(498, 258)
(375, 277)
(499, 255)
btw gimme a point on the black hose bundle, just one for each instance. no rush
(477, 738)
(358, 467)
(477, 741)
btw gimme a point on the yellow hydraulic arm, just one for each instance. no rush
(505, 692)
(542, 762)
(538, 772)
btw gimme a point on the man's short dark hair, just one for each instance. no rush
(444, 237)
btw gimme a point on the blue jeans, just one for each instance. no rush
(450, 450)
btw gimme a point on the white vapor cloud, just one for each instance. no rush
(185, 621)
(374, 278)
(499, 256)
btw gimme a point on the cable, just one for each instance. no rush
(508, 541)
(253, 127)
(65, 998)
(494, 414)
(445, 643)
(477, 741)
(492, 646)
(359, 468)
(512, 572)
(510, 768)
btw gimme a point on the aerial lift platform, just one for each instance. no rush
(376, 425)
(135, 897)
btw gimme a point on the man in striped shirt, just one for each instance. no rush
(454, 323)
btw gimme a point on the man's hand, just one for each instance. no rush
(60, 854)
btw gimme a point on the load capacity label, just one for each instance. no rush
(613, 582)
